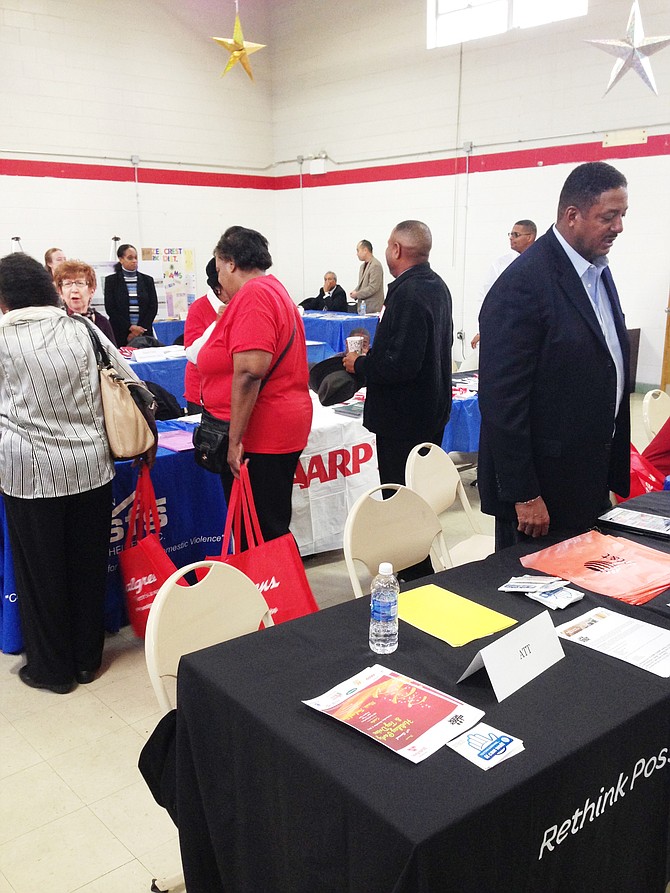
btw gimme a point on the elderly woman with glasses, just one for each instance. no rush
(76, 284)
(56, 471)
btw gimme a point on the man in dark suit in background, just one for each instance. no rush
(555, 435)
(408, 368)
(331, 297)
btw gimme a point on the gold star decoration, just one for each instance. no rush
(633, 50)
(239, 49)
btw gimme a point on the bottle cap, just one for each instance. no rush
(386, 568)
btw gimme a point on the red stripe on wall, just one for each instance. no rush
(446, 167)
(204, 178)
(15, 168)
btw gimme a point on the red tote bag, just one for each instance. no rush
(144, 563)
(643, 476)
(274, 566)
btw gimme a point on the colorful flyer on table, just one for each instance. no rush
(409, 717)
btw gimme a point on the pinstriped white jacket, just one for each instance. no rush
(52, 431)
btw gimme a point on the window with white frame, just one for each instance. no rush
(457, 21)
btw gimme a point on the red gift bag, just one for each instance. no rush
(274, 566)
(643, 476)
(611, 565)
(143, 562)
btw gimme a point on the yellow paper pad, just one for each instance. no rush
(450, 617)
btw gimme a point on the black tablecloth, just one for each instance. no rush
(274, 796)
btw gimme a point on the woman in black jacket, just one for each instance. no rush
(130, 298)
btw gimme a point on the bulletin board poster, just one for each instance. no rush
(178, 277)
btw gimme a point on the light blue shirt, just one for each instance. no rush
(591, 277)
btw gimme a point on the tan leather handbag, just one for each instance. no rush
(128, 408)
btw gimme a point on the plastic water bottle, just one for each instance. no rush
(362, 308)
(384, 610)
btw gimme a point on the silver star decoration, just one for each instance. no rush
(632, 52)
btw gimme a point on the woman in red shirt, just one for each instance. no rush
(200, 319)
(253, 373)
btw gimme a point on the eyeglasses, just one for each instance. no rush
(68, 283)
(514, 235)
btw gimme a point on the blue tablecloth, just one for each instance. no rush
(167, 373)
(319, 350)
(170, 373)
(10, 629)
(333, 328)
(462, 432)
(166, 330)
(192, 511)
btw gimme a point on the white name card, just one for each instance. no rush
(521, 655)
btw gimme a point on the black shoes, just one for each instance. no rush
(63, 689)
(85, 676)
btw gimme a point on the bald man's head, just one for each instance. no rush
(409, 244)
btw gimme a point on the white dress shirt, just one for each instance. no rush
(591, 276)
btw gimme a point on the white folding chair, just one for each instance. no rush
(432, 474)
(221, 606)
(655, 411)
(402, 529)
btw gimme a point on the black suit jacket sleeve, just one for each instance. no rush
(316, 303)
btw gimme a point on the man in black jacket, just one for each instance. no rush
(408, 370)
(331, 297)
(553, 371)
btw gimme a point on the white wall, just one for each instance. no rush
(96, 78)
(96, 81)
(368, 93)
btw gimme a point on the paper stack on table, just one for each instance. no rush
(177, 441)
(448, 616)
(549, 591)
(149, 354)
(633, 641)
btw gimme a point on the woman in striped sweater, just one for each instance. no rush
(56, 474)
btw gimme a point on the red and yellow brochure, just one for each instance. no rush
(406, 716)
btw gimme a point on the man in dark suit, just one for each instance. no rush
(331, 297)
(553, 394)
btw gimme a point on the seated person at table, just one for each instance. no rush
(75, 282)
(200, 320)
(331, 297)
(658, 451)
